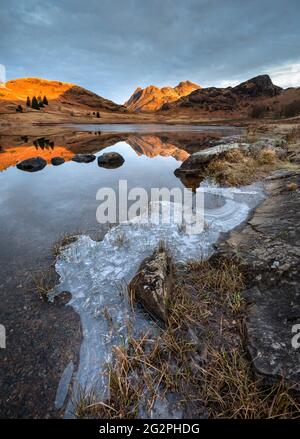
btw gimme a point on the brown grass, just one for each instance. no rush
(198, 356)
(43, 282)
(64, 241)
(292, 186)
(239, 168)
(293, 136)
(231, 391)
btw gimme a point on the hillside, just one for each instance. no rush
(231, 101)
(61, 96)
(152, 98)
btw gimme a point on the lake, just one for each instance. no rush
(39, 208)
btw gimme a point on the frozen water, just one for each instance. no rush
(63, 385)
(94, 272)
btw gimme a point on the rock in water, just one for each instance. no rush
(83, 158)
(152, 285)
(56, 161)
(110, 160)
(32, 165)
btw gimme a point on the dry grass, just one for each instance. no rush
(61, 243)
(231, 391)
(293, 136)
(240, 168)
(43, 282)
(198, 356)
(292, 187)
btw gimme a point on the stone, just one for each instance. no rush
(110, 160)
(152, 285)
(56, 161)
(84, 158)
(269, 248)
(33, 164)
(197, 161)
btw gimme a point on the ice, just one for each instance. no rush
(96, 273)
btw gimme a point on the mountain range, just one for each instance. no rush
(256, 97)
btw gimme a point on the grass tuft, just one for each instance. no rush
(63, 242)
(44, 282)
(198, 356)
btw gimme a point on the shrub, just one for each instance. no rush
(258, 111)
(292, 109)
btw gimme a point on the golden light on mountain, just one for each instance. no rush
(152, 98)
(21, 88)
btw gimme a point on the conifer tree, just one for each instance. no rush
(34, 103)
(28, 101)
(45, 100)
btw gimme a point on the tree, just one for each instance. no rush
(98, 114)
(34, 103)
(19, 109)
(28, 103)
(45, 100)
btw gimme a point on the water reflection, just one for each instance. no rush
(14, 149)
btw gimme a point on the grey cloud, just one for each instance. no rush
(112, 46)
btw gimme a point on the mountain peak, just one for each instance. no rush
(152, 98)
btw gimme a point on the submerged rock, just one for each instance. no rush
(32, 165)
(56, 161)
(152, 285)
(84, 158)
(110, 160)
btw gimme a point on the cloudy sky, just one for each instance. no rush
(113, 46)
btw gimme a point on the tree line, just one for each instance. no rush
(36, 102)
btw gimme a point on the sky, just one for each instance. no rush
(113, 46)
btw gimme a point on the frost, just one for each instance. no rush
(94, 272)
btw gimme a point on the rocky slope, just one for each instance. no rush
(152, 98)
(228, 100)
(268, 245)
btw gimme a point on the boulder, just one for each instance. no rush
(83, 158)
(56, 161)
(110, 160)
(196, 161)
(152, 285)
(33, 164)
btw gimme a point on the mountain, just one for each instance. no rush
(152, 146)
(227, 100)
(60, 95)
(152, 98)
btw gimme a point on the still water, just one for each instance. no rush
(43, 352)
